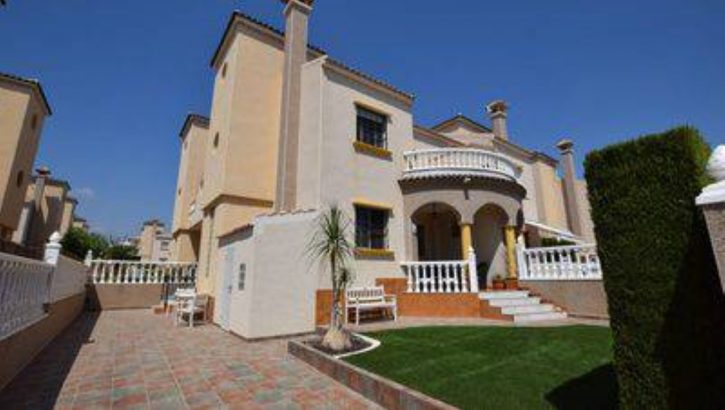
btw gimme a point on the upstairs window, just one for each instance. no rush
(371, 228)
(372, 128)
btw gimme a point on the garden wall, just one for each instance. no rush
(584, 298)
(124, 296)
(20, 348)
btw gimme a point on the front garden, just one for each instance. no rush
(500, 367)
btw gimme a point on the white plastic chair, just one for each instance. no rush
(190, 307)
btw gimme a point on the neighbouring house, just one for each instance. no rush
(23, 113)
(48, 207)
(437, 211)
(154, 243)
(81, 223)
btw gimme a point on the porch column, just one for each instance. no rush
(510, 240)
(466, 241)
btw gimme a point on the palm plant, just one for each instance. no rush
(330, 245)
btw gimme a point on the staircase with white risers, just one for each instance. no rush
(520, 306)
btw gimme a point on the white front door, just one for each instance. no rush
(225, 293)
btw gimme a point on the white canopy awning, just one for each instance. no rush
(559, 233)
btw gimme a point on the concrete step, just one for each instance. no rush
(515, 302)
(526, 309)
(504, 294)
(539, 317)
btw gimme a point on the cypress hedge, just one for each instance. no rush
(660, 276)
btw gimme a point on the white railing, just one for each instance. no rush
(24, 290)
(457, 162)
(442, 276)
(140, 272)
(578, 262)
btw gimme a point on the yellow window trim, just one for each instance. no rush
(372, 108)
(374, 253)
(372, 150)
(366, 203)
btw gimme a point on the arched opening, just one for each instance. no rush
(488, 242)
(437, 232)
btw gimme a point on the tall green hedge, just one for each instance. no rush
(660, 275)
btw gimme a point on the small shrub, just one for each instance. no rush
(659, 271)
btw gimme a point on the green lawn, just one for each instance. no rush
(500, 367)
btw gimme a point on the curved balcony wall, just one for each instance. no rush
(466, 162)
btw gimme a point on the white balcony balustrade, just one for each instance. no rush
(442, 276)
(578, 262)
(24, 291)
(443, 162)
(140, 272)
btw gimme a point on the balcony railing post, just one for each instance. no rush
(472, 270)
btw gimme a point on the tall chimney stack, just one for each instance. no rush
(40, 180)
(297, 14)
(571, 197)
(497, 111)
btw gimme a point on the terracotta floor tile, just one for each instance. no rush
(134, 359)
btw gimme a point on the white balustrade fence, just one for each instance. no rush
(442, 276)
(24, 290)
(457, 161)
(578, 262)
(140, 272)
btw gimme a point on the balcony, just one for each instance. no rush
(195, 213)
(463, 162)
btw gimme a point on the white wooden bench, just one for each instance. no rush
(369, 298)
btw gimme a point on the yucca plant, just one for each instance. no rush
(331, 247)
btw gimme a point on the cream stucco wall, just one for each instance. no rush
(241, 148)
(245, 115)
(69, 207)
(332, 172)
(191, 170)
(550, 198)
(51, 214)
(21, 121)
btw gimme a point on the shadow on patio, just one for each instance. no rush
(39, 385)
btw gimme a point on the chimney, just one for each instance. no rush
(571, 197)
(497, 111)
(297, 14)
(40, 180)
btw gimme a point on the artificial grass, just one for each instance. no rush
(500, 367)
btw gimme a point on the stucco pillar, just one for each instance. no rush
(466, 240)
(510, 241)
(712, 203)
(571, 197)
(297, 13)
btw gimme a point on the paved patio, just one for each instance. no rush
(135, 359)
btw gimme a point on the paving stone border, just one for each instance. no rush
(385, 392)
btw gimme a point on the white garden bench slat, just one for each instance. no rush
(369, 298)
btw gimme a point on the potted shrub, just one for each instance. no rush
(498, 283)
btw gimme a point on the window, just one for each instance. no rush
(242, 276)
(372, 128)
(371, 228)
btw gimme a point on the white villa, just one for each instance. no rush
(437, 212)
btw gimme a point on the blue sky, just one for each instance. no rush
(122, 75)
